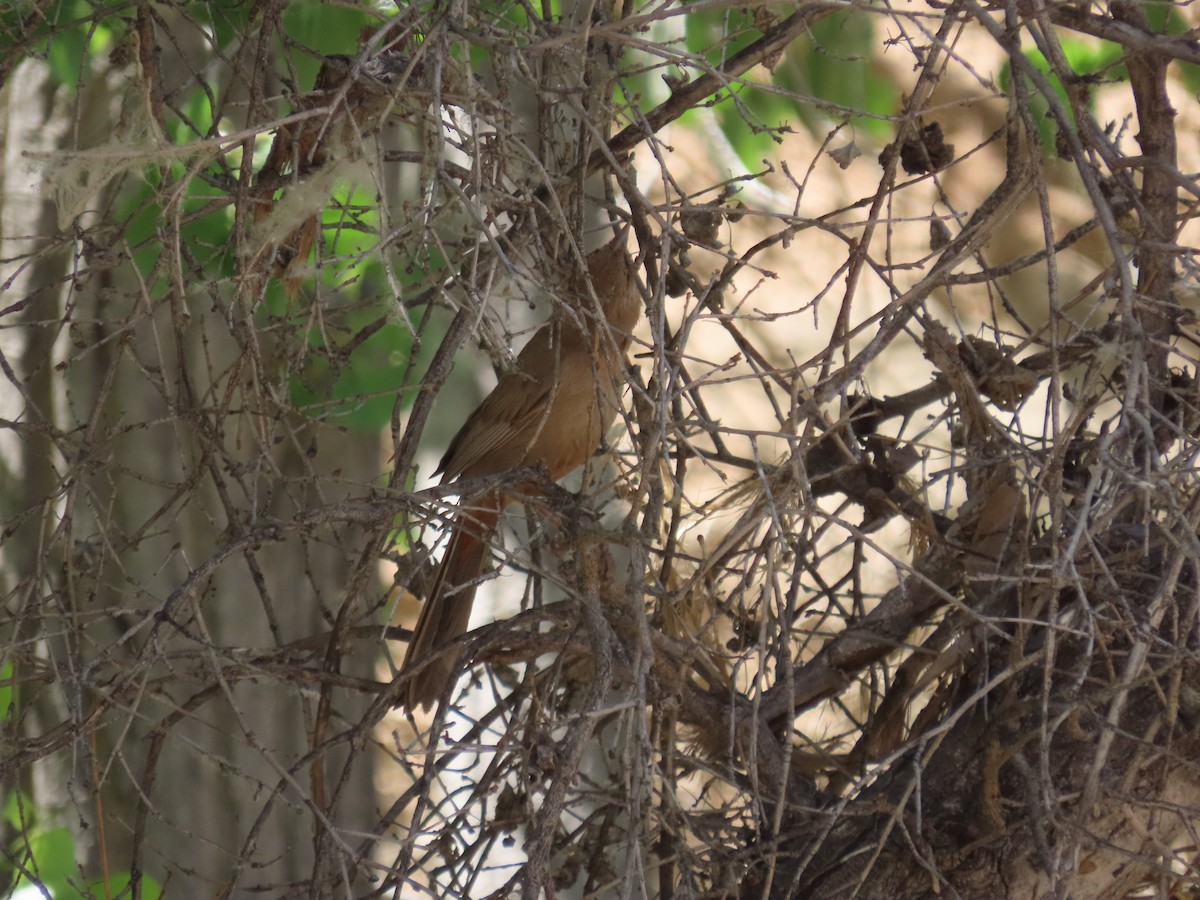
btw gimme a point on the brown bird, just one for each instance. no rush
(553, 409)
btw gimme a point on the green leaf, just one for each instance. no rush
(360, 391)
(228, 18)
(1102, 59)
(359, 395)
(197, 121)
(140, 215)
(718, 34)
(151, 889)
(60, 32)
(505, 15)
(16, 806)
(749, 126)
(750, 118)
(1166, 19)
(209, 237)
(8, 694)
(52, 861)
(65, 55)
(351, 226)
(325, 28)
(76, 33)
(1088, 57)
(836, 65)
(833, 65)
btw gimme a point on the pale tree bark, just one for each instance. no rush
(141, 453)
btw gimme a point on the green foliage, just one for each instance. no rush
(358, 389)
(227, 19)
(510, 17)
(50, 860)
(717, 34)
(35, 855)
(351, 229)
(65, 52)
(826, 76)
(326, 28)
(515, 18)
(1095, 59)
(834, 65)
(45, 858)
(206, 226)
(197, 121)
(359, 354)
(8, 694)
(68, 34)
(1166, 19)
(151, 890)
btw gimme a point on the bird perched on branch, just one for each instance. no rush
(553, 409)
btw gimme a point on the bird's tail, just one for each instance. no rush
(448, 608)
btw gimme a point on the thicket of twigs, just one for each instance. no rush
(885, 585)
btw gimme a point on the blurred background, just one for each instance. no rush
(883, 584)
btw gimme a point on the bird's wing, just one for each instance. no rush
(486, 444)
(498, 436)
